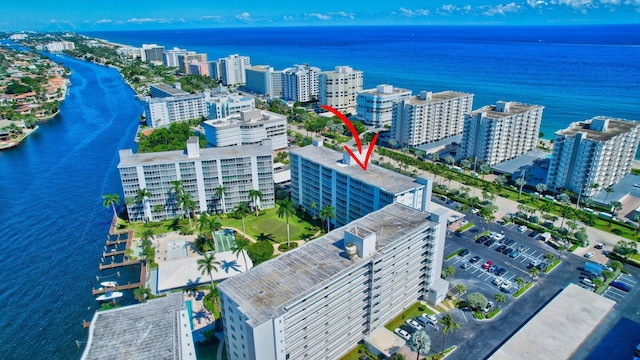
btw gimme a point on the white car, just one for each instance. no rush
(505, 285)
(430, 318)
(534, 263)
(414, 324)
(489, 306)
(498, 281)
(522, 228)
(589, 255)
(402, 333)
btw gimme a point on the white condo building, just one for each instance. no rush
(164, 111)
(238, 169)
(233, 69)
(375, 106)
(152, 53)
(320, 300)
(322, 176)
(222, 106)
(501, 132)
(260, 79)
(170, 57)
(247, 127)
(597, 151)
(338, 88)
(429, 117)
(300, 83)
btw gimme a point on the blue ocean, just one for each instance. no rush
(51, 186)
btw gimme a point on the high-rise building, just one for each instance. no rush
(199, 68)
(151, 53)
(338, 88)
(238, 169)
(161, 90)
(429, 117)
(164, 111)
(501, 132)
(184, 60)
(221, 106)
(375, 106)
(319, 301)
(300, 83)
(597, 151)
(276, 84)
(233, 69)
(321, 176)
(170, 57)
(248, 127)
(60, 46)
(259, 79)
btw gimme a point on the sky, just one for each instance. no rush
(76, 15)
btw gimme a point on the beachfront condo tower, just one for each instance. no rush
(338, 88)
(375, 106)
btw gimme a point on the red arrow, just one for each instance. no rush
(354, 133)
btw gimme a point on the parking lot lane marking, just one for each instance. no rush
(463, 315)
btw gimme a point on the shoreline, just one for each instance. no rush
(13, 143)
(49, 117)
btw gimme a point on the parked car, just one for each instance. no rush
(465, 265)
(510, 242)
(501, 272)
(507, 251)
(493, 268)
(430, 318)
(490, 242)
(475, 259)
(599, 246)
(475, 211)
(620, 285)
(487, 264)
(501, 247)
(589, 255)
(497, 281)
(402, 333)
(497, 236)
(514, 254)
(542, 266)
(505, 286)
(522, 228)
(489, 306)
(534, 263)
(463, 252)
(414, 324)
(482, 239)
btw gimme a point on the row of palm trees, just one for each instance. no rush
(420, 342)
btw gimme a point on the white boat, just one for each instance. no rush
(109, 284)
(109, 295)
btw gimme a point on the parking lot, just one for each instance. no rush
(618, 295)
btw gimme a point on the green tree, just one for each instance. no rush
(616, 265)
(111, 200)
(178, 190)
(460, 289)
(520, 281)
(241, 247)
(255, 196)
(448, 271)
(242, 210)
(534, 272)
(208, 265)
(499, 298)
(615, 207)
(420, 342)
(541, 187)
(203, 222)
(500, 181)
(142, 197)
(448, 325)
(141, 294)
(327, 213)
(477, 301)
(608, 190)
(314, 207)
(190, 205)
(220, 192)
(520, 182)
(549, 257)
(285, 209)
(260, 251)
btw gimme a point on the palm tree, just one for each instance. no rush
(448, 326)
(178, 189)
(460, 289)
(203, 222)
(190, 205)
(111, 200)
(242, 210)
(314, 207)
(500, 181)
(615, 207)
(484, 170)
(420, 343)
(242, 246)
(255, 196)
(220, 192)
(141, 294)
(327, 213)
(521, 182)
(448, 271)
(142, 196)
(608, 190)
(520, 282)
(541, 187)
(534, 272)
(499, 298)
(208, 265)
(465, 164)
(147, 236)
(549, 257)
(286, 208)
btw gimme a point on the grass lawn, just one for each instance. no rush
(522, 290)
(453, 254)
(270, 223)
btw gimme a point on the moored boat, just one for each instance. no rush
(109, 284)
(109, 295)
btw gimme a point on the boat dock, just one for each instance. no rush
(117, 265)
(129, 286)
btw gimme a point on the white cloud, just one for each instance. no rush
(573, 3)
(411, 13)
(320, 16)
(534, 3)
(610, 2)
(287, 18)
(451, 9)
(344, 14)
(210, 18)
(245, 16)
(500, 9)
(147, 20)
(104, 21)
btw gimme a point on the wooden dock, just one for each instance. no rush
(128, 286)
(113, 253)
(117, 265)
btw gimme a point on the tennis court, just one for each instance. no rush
(225, 240)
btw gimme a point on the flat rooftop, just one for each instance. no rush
(151, 330)
(169, 89)
(615, 128)
(128, 158)
(375, 175)
(559, 328)
(514, 108)
(266, 117)
(264, 291)
(436, 97)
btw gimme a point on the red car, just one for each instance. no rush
(487, 264)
